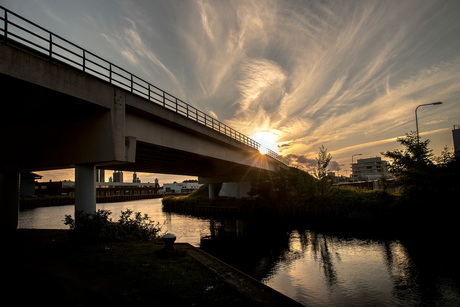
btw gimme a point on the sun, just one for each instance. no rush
(267, 140)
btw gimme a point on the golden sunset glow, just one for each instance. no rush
(344, 74)
(267, 140)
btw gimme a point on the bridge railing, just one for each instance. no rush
(17, 28)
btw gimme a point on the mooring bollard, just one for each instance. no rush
(168, 240)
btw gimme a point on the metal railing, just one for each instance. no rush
(17, 28)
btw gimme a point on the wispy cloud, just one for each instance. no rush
(344, 74)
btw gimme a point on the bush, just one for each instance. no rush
(99, 227)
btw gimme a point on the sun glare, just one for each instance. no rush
(267, 140)
(263, 150)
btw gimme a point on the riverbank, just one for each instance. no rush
(379, 214)
(48, 267)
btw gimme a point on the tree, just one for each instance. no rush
(421, 177)
(412, 165)
(322, 160)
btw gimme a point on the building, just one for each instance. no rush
(135, 178)
(100, 175)
(117, 176)
(369, 169)
(183, 187)
(67, 188)
(456, 137)
(27, 186)
(55, 188)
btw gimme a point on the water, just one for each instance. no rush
(309, 266)
(187, 229)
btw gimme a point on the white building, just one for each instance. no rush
(456, 138)
(369, 169)
(182, 187)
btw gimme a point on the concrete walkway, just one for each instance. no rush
(253, 289)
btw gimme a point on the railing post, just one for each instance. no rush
(110, 73)
(148, 89)
(6, 24)
(51, 46)
(132, 83)
(164, 99)
(84, 60)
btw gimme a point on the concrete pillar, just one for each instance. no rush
(211, 190)
(85, 188)
(235, 189)
(9, 200)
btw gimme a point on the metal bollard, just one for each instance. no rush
(168, 240)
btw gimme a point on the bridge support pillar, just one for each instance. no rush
(235, 189)
(211, 190)
(9, 200)
(85, 188)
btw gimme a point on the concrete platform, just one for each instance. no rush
(250, 287)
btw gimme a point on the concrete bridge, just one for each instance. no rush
(63, 106)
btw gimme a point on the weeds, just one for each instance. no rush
(99, 227)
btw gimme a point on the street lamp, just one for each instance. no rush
(422, 105)
(353, 156)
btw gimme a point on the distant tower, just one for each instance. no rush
(100, 175)
(456, 137)
(136, 179)
(118, 176)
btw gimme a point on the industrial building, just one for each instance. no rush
(369, 169)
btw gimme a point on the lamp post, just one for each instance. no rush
(352, 173)
(422, 105)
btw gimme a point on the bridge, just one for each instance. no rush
(64, 106)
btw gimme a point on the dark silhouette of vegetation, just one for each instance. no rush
(427, 187)
(295, 194)
(322, 161)
(422, 179)
(99, 227)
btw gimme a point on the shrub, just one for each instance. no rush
(99, 227)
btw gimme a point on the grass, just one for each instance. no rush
(59, 271)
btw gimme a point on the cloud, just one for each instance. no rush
(306, 163)
(347, 75)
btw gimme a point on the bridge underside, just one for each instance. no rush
(157, 159)
(54, 116)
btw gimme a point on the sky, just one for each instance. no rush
(294, 75)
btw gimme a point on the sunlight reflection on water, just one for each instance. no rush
(187, 229)
(310, 267)
(326, 271)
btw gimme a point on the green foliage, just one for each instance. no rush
(412, 166)
(286, 190)
(322, 161)
(199, 196)
(99, 227)
(421, 177)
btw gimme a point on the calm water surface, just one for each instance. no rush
(309, 266)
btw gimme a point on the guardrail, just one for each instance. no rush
(28, 33)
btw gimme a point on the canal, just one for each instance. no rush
(318, 268)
